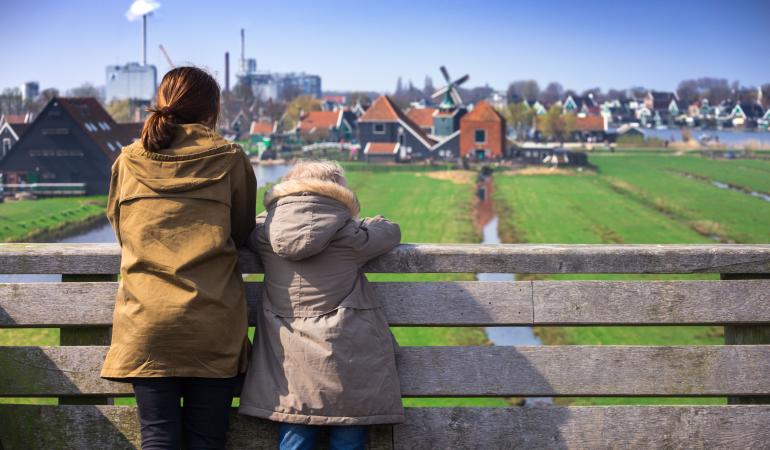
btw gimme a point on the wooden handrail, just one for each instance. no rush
(447, 258)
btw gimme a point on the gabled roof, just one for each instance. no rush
(483, 112)
(384, 110)
(752, 110)
(262, 127)
(16, 129)
(97, 124)
(423, 117)
(17, 118)
(381, 148)
(320, 120)
(589, 123)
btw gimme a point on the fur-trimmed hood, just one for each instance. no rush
(303, 216)
(309, 186)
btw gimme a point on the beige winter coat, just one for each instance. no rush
(323, 353)
(179, 215)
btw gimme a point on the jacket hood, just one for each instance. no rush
(197, 156)
(304, 215)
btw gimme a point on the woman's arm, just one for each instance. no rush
(113, 200)
(244, 200)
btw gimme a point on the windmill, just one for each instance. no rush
(451, 98)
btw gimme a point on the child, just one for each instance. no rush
(323, 353)
(181, 200)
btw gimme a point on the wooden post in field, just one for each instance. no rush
(747, 335)
(87, 335)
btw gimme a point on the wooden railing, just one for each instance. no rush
(82, 307)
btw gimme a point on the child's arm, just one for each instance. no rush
(376, 236)
(252, 242)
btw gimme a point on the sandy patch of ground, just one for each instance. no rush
(542, 171)
(455, 176)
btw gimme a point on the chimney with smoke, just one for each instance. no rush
(142, 8)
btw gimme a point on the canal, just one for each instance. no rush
(490, 234)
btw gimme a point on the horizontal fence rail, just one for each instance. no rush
(463, 371)
(728, 427)
(449, 258)
(462, 303)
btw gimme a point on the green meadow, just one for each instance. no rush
(636, 199)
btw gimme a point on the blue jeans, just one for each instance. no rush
(305, 437)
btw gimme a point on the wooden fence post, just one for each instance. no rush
(87, 335)
(747, 335)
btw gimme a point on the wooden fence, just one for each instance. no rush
(82, 307)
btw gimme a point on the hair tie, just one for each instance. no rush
(163, 111)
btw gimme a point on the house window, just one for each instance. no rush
(6, 145)
(480, 137)
(379, 128)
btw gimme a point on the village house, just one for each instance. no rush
(333, 102)
(746, 114)
(482, 133)
(325, 126)
(582, 106)
(661, 107)
(73, 140)
(590, 129)
(386, 134)
(10, 131)
(261, 133)
(423, 117)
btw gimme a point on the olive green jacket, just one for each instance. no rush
(323, 353)
(179, 214)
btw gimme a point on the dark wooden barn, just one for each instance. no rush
(384, 122)
(72, 140)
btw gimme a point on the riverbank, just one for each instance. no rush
(47, 220)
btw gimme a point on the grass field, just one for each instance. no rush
(19, 221)
(635, 199)
(725, 215)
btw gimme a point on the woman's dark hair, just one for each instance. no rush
(185, 95)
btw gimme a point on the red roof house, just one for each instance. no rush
(482, 133)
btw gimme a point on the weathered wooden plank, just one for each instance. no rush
(460, 258)
(443, 303)
(651, 302)
(465, 371)
(748, 335)
(454, 303)
(645, 427)
(86, 335)
(31, 427)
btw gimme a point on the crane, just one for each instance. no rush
(165, 55)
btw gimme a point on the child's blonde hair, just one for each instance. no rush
(318, 170)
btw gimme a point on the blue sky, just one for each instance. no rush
(367, 44)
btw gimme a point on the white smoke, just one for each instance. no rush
(140, 8)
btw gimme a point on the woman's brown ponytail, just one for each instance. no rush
(185, 95)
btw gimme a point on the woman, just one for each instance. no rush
(323, 353)
(181, 201)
